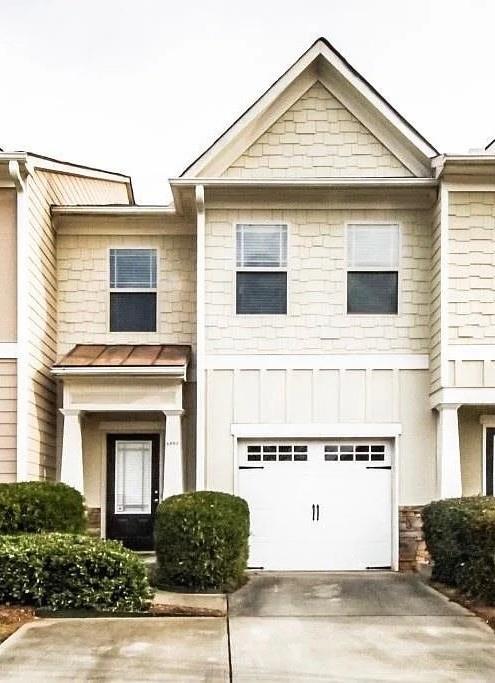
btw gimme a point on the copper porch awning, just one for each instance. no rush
(122, 356)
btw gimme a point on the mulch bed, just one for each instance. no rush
(12, 617)
(485, 612)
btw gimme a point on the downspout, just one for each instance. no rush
(200, 341)
(22, 322)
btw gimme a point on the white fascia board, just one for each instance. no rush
(75, 169)
(179, 371)
(344, 430)
(371, 361)
(253, 111)
(305, 182)
(112, 210)
(8, 350)
(463, 396)
(377, 101)
(472, 352)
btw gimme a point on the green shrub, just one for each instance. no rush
(35, 506)
(201, 540)
(65, 571)
(460, 536)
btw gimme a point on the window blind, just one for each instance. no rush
(261, 246)
(133, 268)
(373, 246)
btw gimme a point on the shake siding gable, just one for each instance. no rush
(317, 137)
(45, 189)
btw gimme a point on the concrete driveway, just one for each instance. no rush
(282, 627)
(354, 627)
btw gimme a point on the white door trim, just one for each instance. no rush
(314, 430)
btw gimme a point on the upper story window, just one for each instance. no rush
(261, 269)
(132, 290)
(372, 268)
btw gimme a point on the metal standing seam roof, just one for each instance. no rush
(126, 355)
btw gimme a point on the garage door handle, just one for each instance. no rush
(380, 467)
(318, 512)
(313, 506)
(251, 467)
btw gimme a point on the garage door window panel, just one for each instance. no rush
(354, 453)
(277, 453)
(372, 269)
(261, 269)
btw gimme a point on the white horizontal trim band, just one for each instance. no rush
(463, 396)
(343, 430)
(179, 371)
(378, 361)
(124, 210)
(472, 352)
(8, 350)
(305, 182)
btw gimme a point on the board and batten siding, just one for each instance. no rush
(317, 321)
(8, 421)
(317, 137)
(323, 396)
(8, 266)
(44, 189)
(83, 289)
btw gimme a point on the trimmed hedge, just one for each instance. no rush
(460, 536)
(64, 571)
(201, 540)
(36, 506)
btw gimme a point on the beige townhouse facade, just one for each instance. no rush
(310, 325)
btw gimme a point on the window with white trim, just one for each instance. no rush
(372, 269)
(133, 290)
(261, 269)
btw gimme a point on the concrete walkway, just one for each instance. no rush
(298, 627)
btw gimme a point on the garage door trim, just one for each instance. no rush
(390, 431)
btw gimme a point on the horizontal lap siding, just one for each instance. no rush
(45, 189)
(83, 294)
(8, 420)
(317, 137)
(317, 321)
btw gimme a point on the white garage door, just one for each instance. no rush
(318, 505)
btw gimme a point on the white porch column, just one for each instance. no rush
(71, 470)
(449, 483)
(173, 463)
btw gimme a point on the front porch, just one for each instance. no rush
(465, 438)
(125, 440)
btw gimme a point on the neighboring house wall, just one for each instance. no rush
(317, 321)
(326, 397)
(83, 290)
(436, 301)
(45, 189)
(8, 266)
(8, 420)
(471, 267)
(317, 137)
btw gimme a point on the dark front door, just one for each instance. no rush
(490, 438)
(133, 465)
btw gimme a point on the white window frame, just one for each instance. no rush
(368, 269)
(259, 269)
(130, 290)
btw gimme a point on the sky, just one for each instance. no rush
(143, 87)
